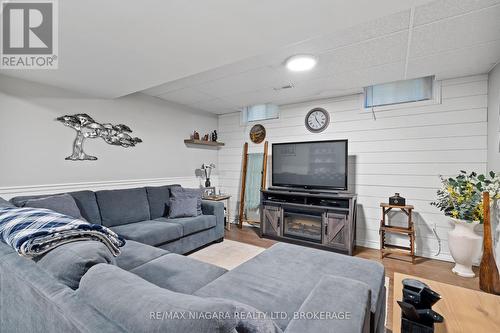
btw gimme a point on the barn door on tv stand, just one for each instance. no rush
(272, 220)
(335, 231)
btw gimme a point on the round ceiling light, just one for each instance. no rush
(301, 62)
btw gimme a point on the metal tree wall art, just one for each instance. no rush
(86, 127)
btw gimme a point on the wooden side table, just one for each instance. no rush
(227, 208)
(386, 228)
(464, 310)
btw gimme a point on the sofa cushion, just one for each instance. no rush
(32, 300)
(159, 197)
(85, 200)
(178, 273)
(150, 232)
(120, 207)
(303, 267)
(190, 225)
(181, 192)
(355, 304)
(134, 254)
(69, 262)
(183, 207)
(140, 306)
(62, 203)
(87, 203)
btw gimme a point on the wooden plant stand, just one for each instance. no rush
(386, 228)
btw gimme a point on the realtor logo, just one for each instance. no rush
(29, 34)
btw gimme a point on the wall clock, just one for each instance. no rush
(317, 120)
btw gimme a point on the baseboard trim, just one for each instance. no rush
(375, 245)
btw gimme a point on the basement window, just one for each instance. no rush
(259, 112)
(399, 92)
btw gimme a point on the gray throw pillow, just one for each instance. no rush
(62, 204)
(181, 192)
(4, 203)
(182, 207)
(70, 261)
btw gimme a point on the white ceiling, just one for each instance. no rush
(116, 47)
(446, 38)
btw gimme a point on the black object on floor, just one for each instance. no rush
(416, 307)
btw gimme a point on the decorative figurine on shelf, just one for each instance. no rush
(214, 136)
(196, 135)
(207, 168)
(205, 137)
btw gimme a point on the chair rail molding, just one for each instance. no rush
(186, 181)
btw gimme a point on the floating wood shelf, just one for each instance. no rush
(203, 143)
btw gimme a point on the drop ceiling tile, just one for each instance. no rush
(373, 29)
(217, 106)
(356, 79)
(185, 96)
(456, 63)
(207, 76)
(266, 95)
(371, 53)
(266, 77)
(324, 43)
(368, 76)
(438, 10)
(471, 29)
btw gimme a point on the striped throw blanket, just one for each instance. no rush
(34, 231)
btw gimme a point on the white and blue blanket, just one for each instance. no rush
(34, 231)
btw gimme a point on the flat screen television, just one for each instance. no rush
(310, 165)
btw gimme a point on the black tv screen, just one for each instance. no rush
(314, 165)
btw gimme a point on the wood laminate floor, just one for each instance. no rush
(436, 270)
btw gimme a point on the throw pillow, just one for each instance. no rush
(181, 192)
(5, 203)
(62, 204)
(69, 262)
(183, 207)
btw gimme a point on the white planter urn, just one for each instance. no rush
(465, 246)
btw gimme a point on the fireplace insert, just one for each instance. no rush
(302, 224)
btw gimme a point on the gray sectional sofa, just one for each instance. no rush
(152, 289)
(139, 214)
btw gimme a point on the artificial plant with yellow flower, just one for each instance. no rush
(461, 197)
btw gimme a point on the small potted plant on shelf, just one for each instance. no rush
(460, 198)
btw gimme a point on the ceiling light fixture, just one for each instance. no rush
(301, 62)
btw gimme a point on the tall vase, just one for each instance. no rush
(489, 279)
(465, 246)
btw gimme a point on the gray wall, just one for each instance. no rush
(493, 119)
(33, 145)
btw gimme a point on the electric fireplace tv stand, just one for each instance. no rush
(325, 220)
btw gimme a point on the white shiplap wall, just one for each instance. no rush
(403, 150)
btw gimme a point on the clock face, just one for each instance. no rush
(317, 120)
